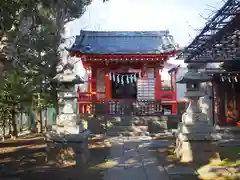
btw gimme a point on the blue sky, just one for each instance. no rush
(183, 18)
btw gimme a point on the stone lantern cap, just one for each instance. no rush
(67, 76)
(194, 77)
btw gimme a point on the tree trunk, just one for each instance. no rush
(3, 125)
(3, 133)
(21, 121)
(14, 124)
(39, 121)
(46, 118)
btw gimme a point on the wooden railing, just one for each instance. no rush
(121, 107)
(85, 101)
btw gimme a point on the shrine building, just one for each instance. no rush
(216, 50)
(126, 66)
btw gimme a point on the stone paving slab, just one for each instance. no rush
(135, 161)
(180, 170)
(184, 177)
(211, 172)
(152, 168)
(116, 151)
(134, 174)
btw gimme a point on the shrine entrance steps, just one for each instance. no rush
(127, 126)
(132, 125)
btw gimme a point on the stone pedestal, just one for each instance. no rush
(196, 138)
(68, 150)
(196, 145)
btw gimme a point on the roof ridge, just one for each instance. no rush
(125, 33)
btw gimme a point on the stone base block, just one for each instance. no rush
(68, 119)
(68, 154)
(199, 127)
(69, 129)
(196, 150)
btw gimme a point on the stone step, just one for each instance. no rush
(229, 138)
(128, 130)
(228, 130)
(229, 143)
(156, 124)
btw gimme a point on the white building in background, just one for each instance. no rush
(182, 69)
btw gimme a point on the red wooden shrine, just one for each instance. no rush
(132, 55)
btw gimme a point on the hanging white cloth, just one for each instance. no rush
(127, 79)
(135, 77)
(110, 76)
(113, 77)
(122, 76)
(118, 79)
(131, 78)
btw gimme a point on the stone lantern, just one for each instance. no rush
(195, 138)
(67, 140)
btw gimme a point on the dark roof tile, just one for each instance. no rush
(124, 42)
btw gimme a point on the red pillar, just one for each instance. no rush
(94, 83)
(157, 84)
(108, 88)
(144, 72)
(174, 108)
(89, 82)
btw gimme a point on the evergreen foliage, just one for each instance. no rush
(30, 36)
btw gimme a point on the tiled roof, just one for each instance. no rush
(124, 42)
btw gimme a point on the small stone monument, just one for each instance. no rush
(195, 138)
(67, 140)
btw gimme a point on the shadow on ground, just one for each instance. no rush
(25, 159)
(227, 169)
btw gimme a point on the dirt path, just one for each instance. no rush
(25, 159)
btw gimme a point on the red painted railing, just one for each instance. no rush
(85, 101)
